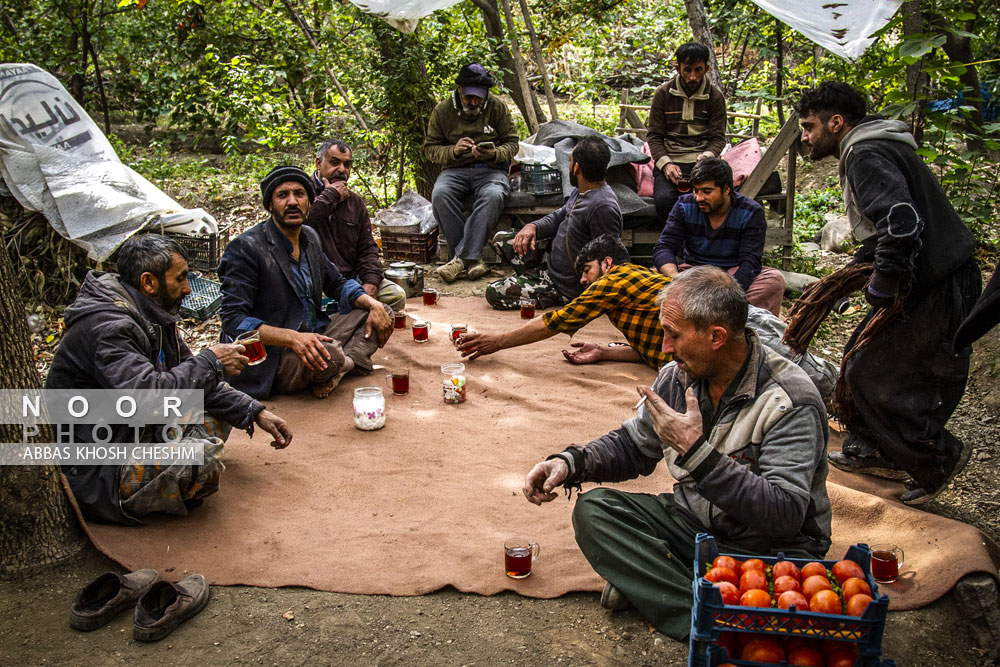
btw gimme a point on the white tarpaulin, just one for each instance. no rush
(843, 27)
(402, 15)
(54, 159)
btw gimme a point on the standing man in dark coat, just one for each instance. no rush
(906, 379)
(340, 217)
(687, 122)
(273, 280)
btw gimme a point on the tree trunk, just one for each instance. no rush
(698, 20)
(494, 28)
(916, 78)
(37, 527)
(959, 50)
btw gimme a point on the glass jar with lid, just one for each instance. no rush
(369, 408)
(453, 382)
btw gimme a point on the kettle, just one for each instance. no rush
(408, 275)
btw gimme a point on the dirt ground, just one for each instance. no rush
(294, 626)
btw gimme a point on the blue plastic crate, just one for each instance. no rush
(204, 300)
(717, 655)
(710, 616)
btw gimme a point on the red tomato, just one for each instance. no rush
(814, 584)
(786, 568)
(784, 584)
(755, 598)
(840, 659)
(727, 640)
(793, 598)
(807, 657)
(726, 561)
(763, 650)
(825, 602)
(793, 642)
(752, 564)
(717, 574)
(730, 594)
(812, 569)
(857, 604)
(753, 579)
(846, 569)
(853, 586)
(831, 646)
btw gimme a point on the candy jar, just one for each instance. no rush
(369, 408)
(453, 382)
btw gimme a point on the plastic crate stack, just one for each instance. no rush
(420, 247)
(204, 300)
(540, 179)
(710, 617)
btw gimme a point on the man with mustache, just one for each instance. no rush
(472, 136)
(121, 333)
(273, 278)
(716, 225)
(340, 217)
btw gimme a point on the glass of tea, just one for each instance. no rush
(886, 559)
(399, 320)
(683, 186)
(527, 308)
(421, 331)
(518, 555)
(430, 296)
(399, 380)
(253, 348)
(457, 331)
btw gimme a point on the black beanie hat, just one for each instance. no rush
(473, 80)
(282, 174)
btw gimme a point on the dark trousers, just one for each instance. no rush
(908, 380)
(665, 193)
(645, 548)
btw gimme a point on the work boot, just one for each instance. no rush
(875, 465)
(478, 270)
(166, 605)
(611, 598)
(107, 596)
(918, 495)
(452, 270)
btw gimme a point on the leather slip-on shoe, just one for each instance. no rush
(166, 605)
(611, 598)
(107, 596)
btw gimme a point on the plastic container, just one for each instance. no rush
(204, 300)
(709, 616)
(453, 383)
(417, 247)
(369, 408)
(203, 250)
(540, 179)
(717, 655)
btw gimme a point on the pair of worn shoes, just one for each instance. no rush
(451, 271)
(160, 606)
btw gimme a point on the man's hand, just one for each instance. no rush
(464, 145)
(543, 478)
(670, 270)
(484, 154)
(479, 345)
(379, 321)
(587, 353)
(525, 239)
(371, 290)
(231, 356)
(310, 349)
(340, 186)
(672, 172)
(677, 430)
(277, 427)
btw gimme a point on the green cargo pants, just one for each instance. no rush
(641, 545)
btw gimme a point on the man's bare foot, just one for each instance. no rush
(323, 389)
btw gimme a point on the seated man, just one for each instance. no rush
(717, 225)
(687, 122)
(121, 333)
(627, 293)
(340, 217)
(591, 210)
(472, 136)
(741, 428)
(273, 278)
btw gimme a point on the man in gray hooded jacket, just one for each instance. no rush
(906, 379)
(743, 431)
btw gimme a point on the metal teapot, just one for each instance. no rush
(408, 275)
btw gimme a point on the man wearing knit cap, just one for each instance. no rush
(273, 279)
(472, 136)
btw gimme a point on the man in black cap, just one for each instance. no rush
(273, 279)
(472, 136)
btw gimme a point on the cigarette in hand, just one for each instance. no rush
(639, 404)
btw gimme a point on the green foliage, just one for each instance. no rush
(810, 207)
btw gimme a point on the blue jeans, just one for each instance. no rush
(467, 236)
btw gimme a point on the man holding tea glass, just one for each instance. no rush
(743, 431)
(273, 279)
(121, 333)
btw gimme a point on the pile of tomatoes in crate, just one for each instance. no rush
(801, 651)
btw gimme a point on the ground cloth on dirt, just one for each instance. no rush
(428, 500)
